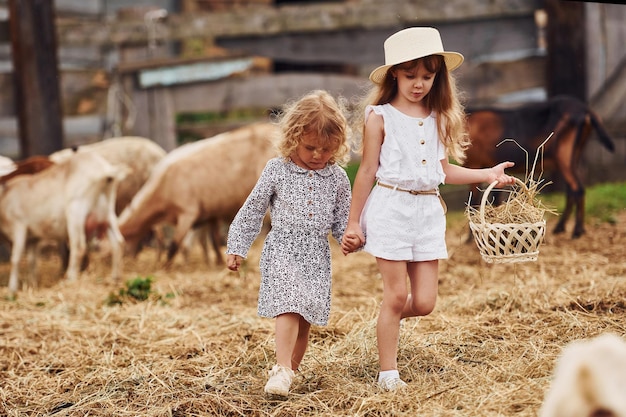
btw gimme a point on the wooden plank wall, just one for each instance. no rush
(500, 40)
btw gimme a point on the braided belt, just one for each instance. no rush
(417, 192)
(414, 192)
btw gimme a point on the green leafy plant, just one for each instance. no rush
(137, 289)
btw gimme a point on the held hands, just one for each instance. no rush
(496, 173)
(352, 241)
(233, 262)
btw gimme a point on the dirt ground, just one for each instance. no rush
(197, 347)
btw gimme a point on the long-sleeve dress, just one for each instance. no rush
(305, 206)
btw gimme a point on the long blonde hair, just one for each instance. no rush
(316, 113)
(443, 99)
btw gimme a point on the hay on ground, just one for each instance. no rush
(199, 349)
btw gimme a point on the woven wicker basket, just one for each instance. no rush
(510, 242)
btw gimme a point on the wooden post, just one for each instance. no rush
(156, 117)
(36, 75)
(566, 63)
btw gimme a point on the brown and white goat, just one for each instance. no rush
(139, 155)
(199, 183)
(64, 203)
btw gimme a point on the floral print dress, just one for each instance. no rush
(305, 206)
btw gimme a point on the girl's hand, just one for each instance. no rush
(497, 174)
(350, 244)
(352, 241)
(233, 262)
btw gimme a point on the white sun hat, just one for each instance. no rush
(412, 43)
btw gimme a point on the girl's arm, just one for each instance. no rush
(456, 174)
(342, 204)
(248, 222)
(373, 136)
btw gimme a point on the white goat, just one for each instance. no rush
(589, 380)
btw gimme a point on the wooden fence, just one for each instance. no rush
(116, 74)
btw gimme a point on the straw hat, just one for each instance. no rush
(412, 43)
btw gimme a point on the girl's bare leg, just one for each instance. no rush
(394, 299)
(301, 343)
(287, 329)
(424, 279)
(398, 304)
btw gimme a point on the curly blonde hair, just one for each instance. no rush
(443, 99)
(316, 113)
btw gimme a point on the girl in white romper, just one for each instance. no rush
(413, 123)
(308, 195)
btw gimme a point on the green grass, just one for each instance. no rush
(189, 124)
(225, 116)
(351, 170)
(602, 201)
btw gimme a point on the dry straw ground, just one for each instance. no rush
(487, 350)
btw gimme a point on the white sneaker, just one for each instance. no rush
(391, 384)
(280, 381)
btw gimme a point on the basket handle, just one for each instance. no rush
(486, 194)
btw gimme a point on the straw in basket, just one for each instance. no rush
(511, 232)
(507, 242)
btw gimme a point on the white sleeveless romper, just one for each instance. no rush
(398, 225)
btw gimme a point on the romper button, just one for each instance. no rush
(422, 142)
(423, 162)
(310, 214)
(420, 123)
(310, 174)
(309, 202)
(310, 188)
